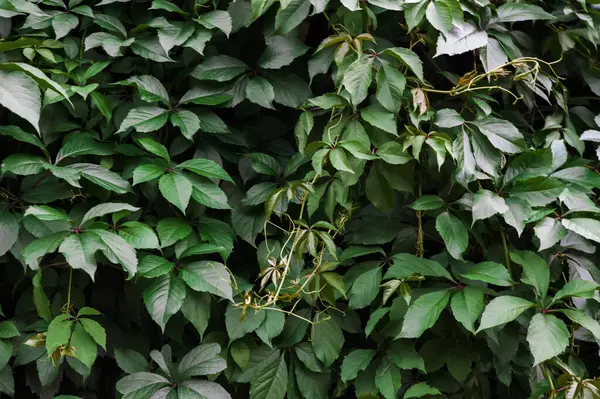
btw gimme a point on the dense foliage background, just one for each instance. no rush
(301, 199)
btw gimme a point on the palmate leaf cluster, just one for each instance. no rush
(299, 198)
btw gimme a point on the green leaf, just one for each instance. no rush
(549, 231)
(290, 90)
(85, 347)
(171, 230)
(208, 276)
(448, 118)
(7, 382)
(439, 16)
(142, 382)
(351, 5)
(408, 58)
(138, 235)
(95, 330)
(427, 203)
(102, 177)
(419, 390)
(103, 105)
(302, 130)
(59, 332)
(338, 159)
(82, 144)
(117, 250)
(220, 68)
(205, 167)
(6, 352)
(465, 169)
(547, 337)
(259, 7)
(576, 288)
(378, 190)
(211, 123)
(147, 172)
(306, 355)
(364, 289)
(167, 6)
(150, 88)
(454, 234)
(264, 164)
(40, 300)
(208, 193)
(489, 272)
(216, 19)
(502, 134)
(79, 251)
(587, 228)
(466, 305)
(538, 191)
(42, 246)
(203, 389)
(502, 310)
(202, 360)
(486, 204)
(151, 48)
(328, 101)
(393, 153)
(260, 91)
(201, 249)
(327, 339)
(105, 209)
(163, 298)
(240, 323)
(271, 383)
(405, 265)
(205, 94)
(110, 43)
(516, 12)
(388, 379)
(174, 35)
(336, 281)
(130, 361)
(153, 266)
(145, 119)
(27, 104)
(176, 189)
(271, 327)
(460, 39)
(196, 308)
(579, 175)
(355, 362)
(19, 134)
(518, 213)
(378, 116)
(8, 329)
(535, 271)
(291, 16)
(38, 76)
(63, 24)
(110, 23)
(23, 164)
(357, 79)
(583, 320)
(281, 51)
(390, 87)
(187, 122)
(423, 313)
(9, 231)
